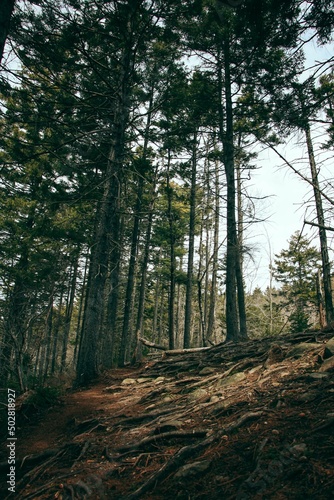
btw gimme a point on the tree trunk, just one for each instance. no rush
(172, 266)
(56, 332)
(157, 292)
(48, 336)
(142, 288)
(235, 302)
(129, 298)
(15, 324)
(191, 250)
(108, 220)
(6, 10)
(213, 295)
(320, 301)
(200, 277)
(232, 333)
(68, 313)
(326, 271)
(239, 262)
(80, 313)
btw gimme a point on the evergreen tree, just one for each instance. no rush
(296, 268)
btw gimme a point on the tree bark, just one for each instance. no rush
(172, 266)
(191, 250)
(6, 11)
(69, 311)
(235, 296)
(129, 298)
(326, 271)
(213, 295)
(232, 333)
(107, 235)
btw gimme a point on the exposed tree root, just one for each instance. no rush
(159, 438)
(189, 451)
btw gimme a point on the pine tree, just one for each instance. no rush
(296, 268)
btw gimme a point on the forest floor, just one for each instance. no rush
(247, 421)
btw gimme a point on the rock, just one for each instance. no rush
(316, 376)
(298, 449)
(232, 379)
(143, 380)
(128, 381)
(192, 469)
(275, 355)
(207, 370)
(328, 365)
(329, 347)
(198, 394)
(167, 399)
(306, 397)
(171, 425)
(159, 380)
(300, 349)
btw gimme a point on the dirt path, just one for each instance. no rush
(52, 430)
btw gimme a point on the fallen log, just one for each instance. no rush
(152, 345)
(177, 352)
(172, 352)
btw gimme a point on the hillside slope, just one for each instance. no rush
(247, 421)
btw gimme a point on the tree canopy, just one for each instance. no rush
(129, 131)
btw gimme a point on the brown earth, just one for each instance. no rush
(247, 421)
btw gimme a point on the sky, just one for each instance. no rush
(289, 199)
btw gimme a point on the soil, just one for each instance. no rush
(247, 421)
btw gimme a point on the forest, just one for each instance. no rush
(129, 132)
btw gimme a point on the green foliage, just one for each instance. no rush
(264, 314)
(296, 268)
(44, 397)
(96, 74)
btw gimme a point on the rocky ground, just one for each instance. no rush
(247, 421)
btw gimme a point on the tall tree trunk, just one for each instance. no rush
(110, 340)
(6, 10)
(326, 271)
(157, 294)
(239, 262)
(199, 280)
(109, 216)
(80, 313)
(320, 301)
(129, 298)
(69, 312)
(235, 296)
(48, 336)
(240, 207)
(15, 324)
(56, 330)
(232, 332)
(137, 357)
(213, 294)
(191, 250)
(172, 266)
(106, 250)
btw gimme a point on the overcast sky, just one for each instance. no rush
(290, 198)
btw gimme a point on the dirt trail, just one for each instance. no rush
(234, 422)
(52, 430)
